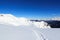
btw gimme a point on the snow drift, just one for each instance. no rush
(8, 19)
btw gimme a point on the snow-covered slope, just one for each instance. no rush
(12, 20)
(19, 33)
(8, 19)
(25, 33)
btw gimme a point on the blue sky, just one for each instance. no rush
(31, 8)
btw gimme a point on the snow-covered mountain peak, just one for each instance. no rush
(7, 19)
(10, 19)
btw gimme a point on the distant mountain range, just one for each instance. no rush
(54, 24)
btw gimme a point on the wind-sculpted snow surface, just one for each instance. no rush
(8, 19)
(19, 33)
(26, 33)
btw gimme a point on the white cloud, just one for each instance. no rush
(9, 19)
(56, 18)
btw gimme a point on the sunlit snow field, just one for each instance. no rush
(13, 28)
(28, 33)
